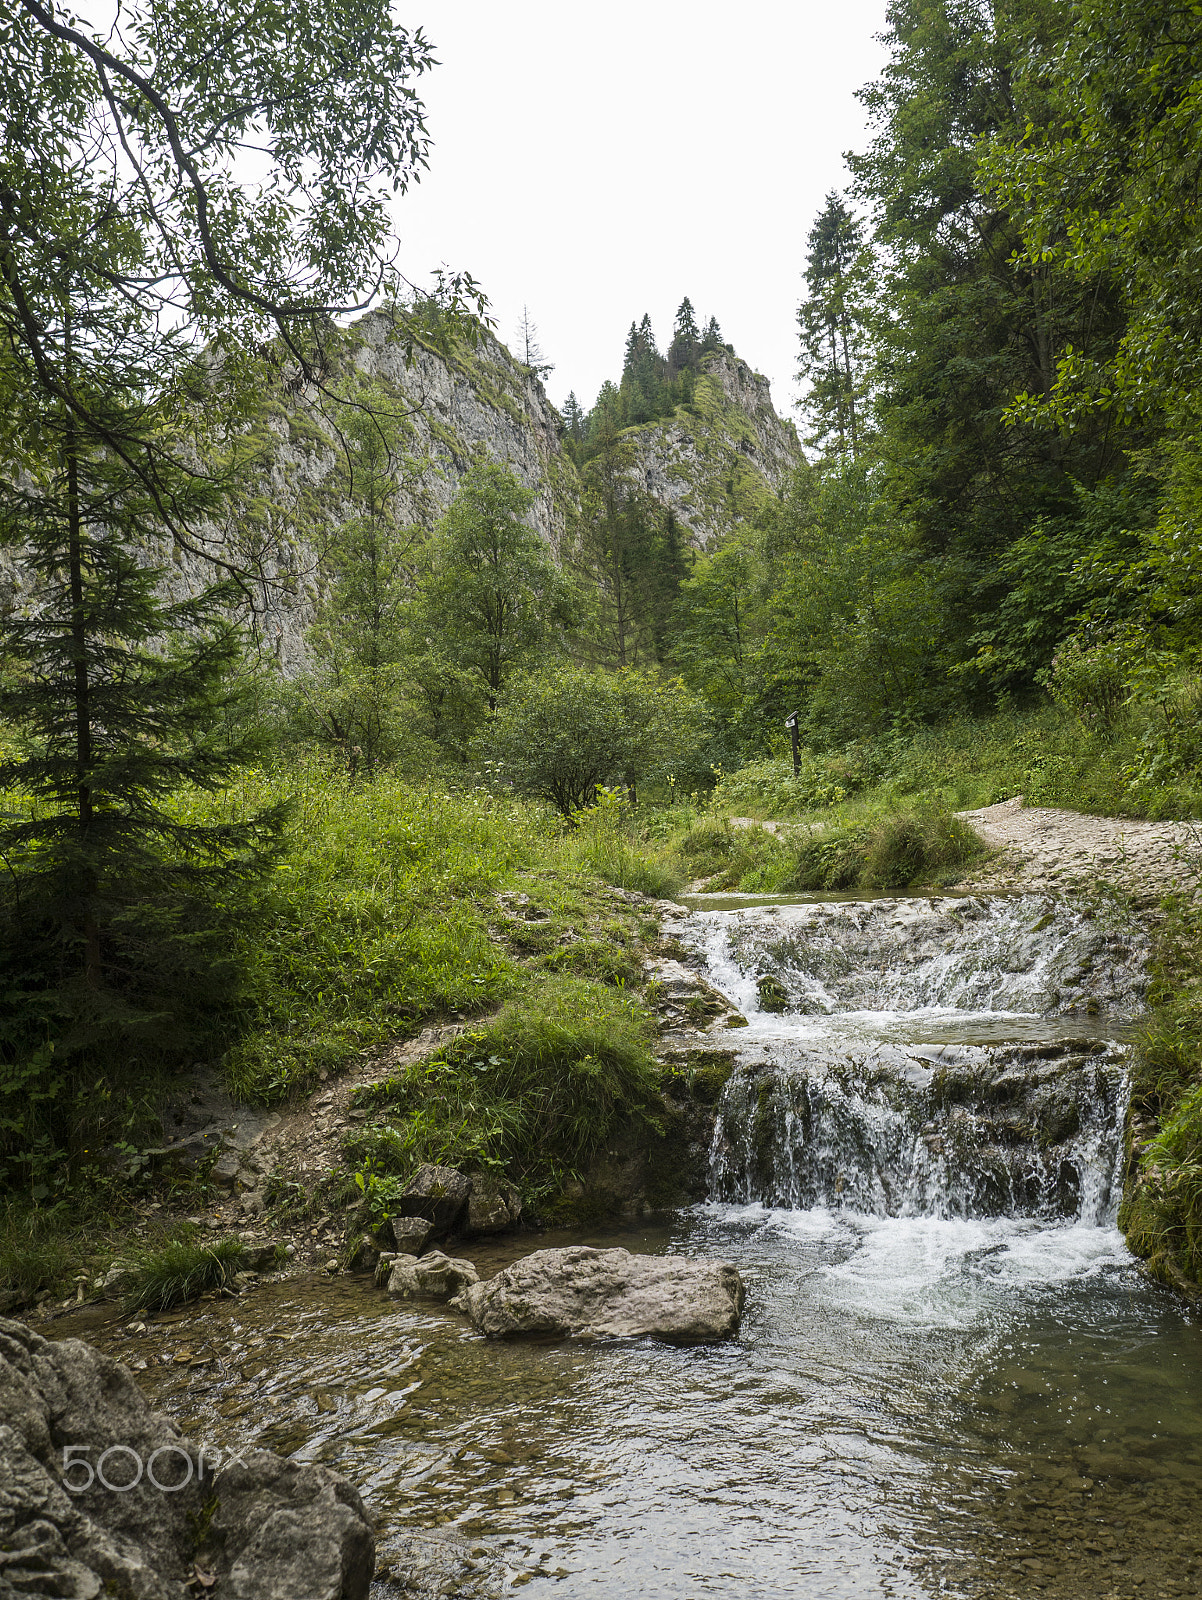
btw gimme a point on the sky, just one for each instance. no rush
(593, 162)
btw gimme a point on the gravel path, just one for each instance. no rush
(1044, 848)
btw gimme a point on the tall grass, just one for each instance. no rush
(373, 920)
(535, 1092)
(601, 843)
(182, 1271)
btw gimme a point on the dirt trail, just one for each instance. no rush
(1044, 848)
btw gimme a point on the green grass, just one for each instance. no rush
(533, 1093)
(1162, 1210)
(38, 1253)
(602, 842)
(182, 1271)
(1043, 753)
(920, 844)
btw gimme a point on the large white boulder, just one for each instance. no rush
(582, 1293)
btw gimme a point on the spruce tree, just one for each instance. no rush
(123, 697)
(712, 338)
(834, 322)
(686, 339)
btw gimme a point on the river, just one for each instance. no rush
(951, 1379)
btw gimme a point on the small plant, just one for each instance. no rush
(181, 1272)
(380, 1190)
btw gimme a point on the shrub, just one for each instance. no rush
(1090, 680)
(911, 846)
(568, 732)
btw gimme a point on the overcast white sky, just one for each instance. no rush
(597, 161)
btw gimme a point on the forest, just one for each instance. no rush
(982, 578)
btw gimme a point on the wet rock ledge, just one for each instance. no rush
(101, 1495)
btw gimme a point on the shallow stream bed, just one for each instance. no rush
(935, 1391)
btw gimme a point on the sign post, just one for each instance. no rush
(791, 724)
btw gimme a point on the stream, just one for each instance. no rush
(951, 1378)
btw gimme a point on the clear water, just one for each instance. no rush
(918, 1404)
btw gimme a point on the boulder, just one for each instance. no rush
(365, 1257)
(410, 1235)
(430, 1277)
(581, 1293)
(440, 1194)
(492, 1207)
(71, 1418)
(261, 1255)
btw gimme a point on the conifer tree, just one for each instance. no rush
(574, 418)
(712, 338)
(686, 338)
(529, 349)
(833, 322)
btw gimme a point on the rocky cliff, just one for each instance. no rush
(713, 464)
(717, 461)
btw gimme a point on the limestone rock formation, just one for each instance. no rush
(430, 1277)
(713, 465)
(582, 1293)
(717, 462)
(73, 1421)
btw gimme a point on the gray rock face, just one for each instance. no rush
(439, 1194)
(581, 1293)
(409, 1234)
(430, 1277)
(71, 1418)
(493, 1207)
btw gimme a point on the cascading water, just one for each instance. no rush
(911, 1058)
(951, 1382)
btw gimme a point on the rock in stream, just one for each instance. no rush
(582, 1293)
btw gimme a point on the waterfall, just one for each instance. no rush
(924, 1058)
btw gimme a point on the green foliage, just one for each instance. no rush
(492, 595)
(352, 699)
(569, 731)
(381, 1191)
(1162, 1209)
(180, 1272)
(535, 1093)
(599, 844)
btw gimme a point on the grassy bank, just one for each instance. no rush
(393, 905)
(1162, 1208)
(1141, 765)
